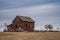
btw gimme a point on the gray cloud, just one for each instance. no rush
(5, 4)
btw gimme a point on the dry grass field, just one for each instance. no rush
(29, 35)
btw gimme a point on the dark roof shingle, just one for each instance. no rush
(25, 18)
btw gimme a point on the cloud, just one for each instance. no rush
(5, 4)
(42, 14)
(32, 11)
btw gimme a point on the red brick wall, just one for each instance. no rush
(20, 23)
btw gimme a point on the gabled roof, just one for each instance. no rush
(25, 18)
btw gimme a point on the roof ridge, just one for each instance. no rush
(26, 18)
(22, 16)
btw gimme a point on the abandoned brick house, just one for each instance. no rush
(21, 23)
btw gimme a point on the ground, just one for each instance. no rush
(29, 35)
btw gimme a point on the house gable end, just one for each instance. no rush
(17, 19)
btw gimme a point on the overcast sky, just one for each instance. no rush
(42, 11)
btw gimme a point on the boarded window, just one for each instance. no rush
(26, 26)
(16, 26)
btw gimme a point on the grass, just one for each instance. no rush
(29, 35)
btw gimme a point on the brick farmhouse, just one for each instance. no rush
(21, 23)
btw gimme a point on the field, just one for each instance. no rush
(29, 35)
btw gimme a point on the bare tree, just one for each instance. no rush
(58, 29)
(5, 24)
(48, 27)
